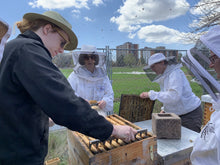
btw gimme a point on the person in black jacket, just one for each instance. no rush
(32, 89)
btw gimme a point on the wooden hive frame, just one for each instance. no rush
(134, 108)
(208, 110)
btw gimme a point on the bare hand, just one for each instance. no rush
(101, 104)
(124, 132)
(144, 95)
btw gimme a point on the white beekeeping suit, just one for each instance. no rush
(88, 85)
(175, 91)
(206, 148)
(5, 32)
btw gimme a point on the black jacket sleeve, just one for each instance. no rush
(49, 89)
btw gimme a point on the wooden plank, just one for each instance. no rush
(53, 161)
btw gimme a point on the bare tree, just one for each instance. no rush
(63, 60)
(207, 14)
(204, 14)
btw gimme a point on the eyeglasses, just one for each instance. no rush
(87, 56)
(213, 58)
(66, 41)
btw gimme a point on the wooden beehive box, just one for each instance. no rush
(134, 108)
(140, 152)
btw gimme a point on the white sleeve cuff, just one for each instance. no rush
(152, 94)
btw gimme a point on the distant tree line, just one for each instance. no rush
(63, 60)
(128, 60)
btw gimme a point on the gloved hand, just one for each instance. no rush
(124, 132)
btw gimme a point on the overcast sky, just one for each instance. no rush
(148, 23)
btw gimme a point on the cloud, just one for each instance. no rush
(205, 6)
(62, 4)
(76, 13)
(136, 13)
(131, 35)
(162, 34)
(194, 24)
(88, 19)
(59, 4)
(97, 2)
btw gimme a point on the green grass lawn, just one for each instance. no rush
(67, 71)
(57, 146)
(128, 69)
(135, 84)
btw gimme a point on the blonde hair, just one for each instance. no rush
(34, 25)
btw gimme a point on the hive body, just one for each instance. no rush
(115, 152)
(166, 125)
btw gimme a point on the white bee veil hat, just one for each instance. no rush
(197, 60)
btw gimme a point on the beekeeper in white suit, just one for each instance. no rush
(89, 78)
(175, 92)
(200, 60)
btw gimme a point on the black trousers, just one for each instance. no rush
(193, 119)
